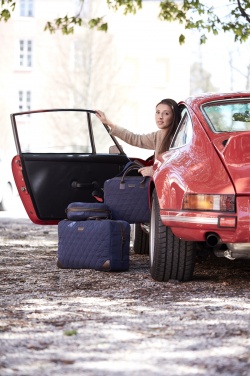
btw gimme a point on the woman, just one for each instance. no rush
(167, 118)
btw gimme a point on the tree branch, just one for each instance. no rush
(243, 12)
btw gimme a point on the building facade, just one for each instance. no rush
(125, 71)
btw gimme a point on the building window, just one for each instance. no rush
(25, 53)
(24, 100)
(26, 8)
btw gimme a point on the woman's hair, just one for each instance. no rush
(176, 119)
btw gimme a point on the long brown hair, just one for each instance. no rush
(176, 119)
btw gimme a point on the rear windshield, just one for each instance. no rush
(228, 116)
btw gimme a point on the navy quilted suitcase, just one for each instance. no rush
(77, 211)
(94, 244)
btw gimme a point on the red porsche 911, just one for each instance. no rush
(199, 194)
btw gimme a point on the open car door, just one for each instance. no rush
(63, 156)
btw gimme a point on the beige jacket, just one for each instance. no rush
(150, 141)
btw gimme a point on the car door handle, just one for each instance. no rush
(76, 184)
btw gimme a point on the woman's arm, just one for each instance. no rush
(145, 141)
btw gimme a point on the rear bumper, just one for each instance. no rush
(195, 225)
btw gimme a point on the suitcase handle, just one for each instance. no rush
(122, 183)
(134, 163)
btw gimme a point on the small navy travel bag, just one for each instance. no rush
(77, 211)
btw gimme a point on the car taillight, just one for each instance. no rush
(224, 203)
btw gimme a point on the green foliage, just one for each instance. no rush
(130, 6)
(65, 24)
(69, 333)
(98, 24)
(182, 39)
(192, 14)
(195, 15)
(8, 7)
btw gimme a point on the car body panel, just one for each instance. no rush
(195, 167)
(195, 226)
(236, 156)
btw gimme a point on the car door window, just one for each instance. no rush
(184, 131)
(103, 141)
(53, 132)
(62, 132)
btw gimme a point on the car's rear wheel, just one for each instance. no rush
(141, 240)
(170, 257)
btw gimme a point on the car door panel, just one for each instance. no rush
(48, 181)
(55, 182)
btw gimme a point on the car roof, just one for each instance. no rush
(210, 97)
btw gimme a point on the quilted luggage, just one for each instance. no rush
(77, 211)
(127, 197)
(94, 244)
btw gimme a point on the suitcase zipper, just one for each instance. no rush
(76, 209)
(123, 238)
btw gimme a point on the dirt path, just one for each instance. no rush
(82, 322)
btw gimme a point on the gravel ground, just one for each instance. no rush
(83, 322)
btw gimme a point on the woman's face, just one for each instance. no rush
(163, 116)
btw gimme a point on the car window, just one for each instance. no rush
(53, 132)
(61, 131)
(184, 131)
(103, 141)
(228, 116)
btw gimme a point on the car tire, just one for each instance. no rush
(7, 198)
(170, 257)
(141, 241)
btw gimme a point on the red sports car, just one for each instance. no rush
(201, 187)
(200, 191)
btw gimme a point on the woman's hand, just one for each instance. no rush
(146, 171)
(101, 116)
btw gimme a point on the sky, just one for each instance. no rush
(215, 56)
(216, 53)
